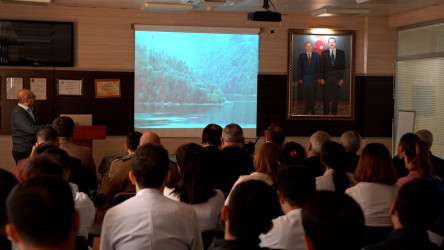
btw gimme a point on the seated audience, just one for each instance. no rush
(194, 188)
(41, 214)
(150, 220)
(211, 139)
(376, 190)
(106, 161)
(53, 162)
(48, 137)
(121, 181)
(415, 210)
(417, 162)
(398, 160)
(292, 153)
(333, 220)
(351, 141)
(275, 133)
(234, 161)
(295, 184)
(254, 204)
(314, 147)
(7, 182)
(211, 143)
(131, 144)
(266, 165)
(65, 129)
(335, 178)
(438, 163)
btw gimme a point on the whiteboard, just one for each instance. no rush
(405, 124)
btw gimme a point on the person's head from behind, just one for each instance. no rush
(417, 158)
(253, 204)
(375, 165)
(7, 182)
(149, 137)
(351, 140)
(316, 141)
(275, 134)
(333, 155)
(292, 153)
(41, 166)
(266, 159)
(41, 214)
(418, 205)
(47, 136)
(233, 134)
(211, 135)
(405, 140)
(295, 184)
(150, 166)
(333, 220)
(64, 126)
(193, 187)
(426, 136)
(132, 141)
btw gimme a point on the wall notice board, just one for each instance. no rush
(114, 113)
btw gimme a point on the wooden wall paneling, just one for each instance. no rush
(104, 39)
(272, 107)
(423, 15)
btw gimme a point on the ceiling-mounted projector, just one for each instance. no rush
(264, 16)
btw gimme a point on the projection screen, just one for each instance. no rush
(188, 77)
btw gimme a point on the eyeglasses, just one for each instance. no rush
(33, 96)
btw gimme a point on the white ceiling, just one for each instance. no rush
(376, 7)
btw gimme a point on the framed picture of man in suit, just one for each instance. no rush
(320, 74)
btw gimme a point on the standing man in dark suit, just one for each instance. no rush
(308, 75)
(24, 125)
(332, 75)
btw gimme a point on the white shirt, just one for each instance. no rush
(208, 213)
(325, 181)
(253, 176)
(150, 221)
(376, 200)
(287, 232)
(86, 208)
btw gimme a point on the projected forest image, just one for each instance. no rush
(187, 80)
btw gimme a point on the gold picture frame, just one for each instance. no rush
(107, 88)
(319, 85)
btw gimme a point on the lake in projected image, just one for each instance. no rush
(187, 80)
(242, 110)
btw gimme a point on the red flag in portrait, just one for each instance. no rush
(319, 44)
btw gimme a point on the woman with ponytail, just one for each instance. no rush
(194, 188)
(417, 162)
(335, 178)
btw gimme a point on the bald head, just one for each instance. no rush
(426, 136)
(149, 137)
(26, 97)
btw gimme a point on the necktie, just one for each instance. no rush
(332, 58)
(309, 59)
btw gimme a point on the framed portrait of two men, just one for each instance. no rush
(321, 75)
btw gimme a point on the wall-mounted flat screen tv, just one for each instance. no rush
(36, 43)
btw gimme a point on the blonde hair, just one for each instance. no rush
(266, 159)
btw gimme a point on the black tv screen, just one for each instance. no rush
(36, 43)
